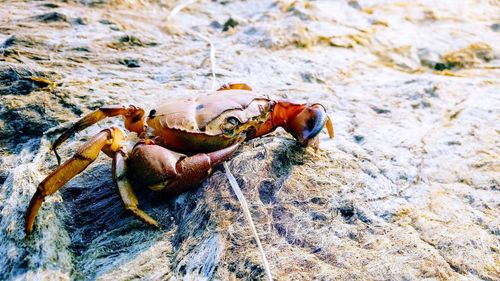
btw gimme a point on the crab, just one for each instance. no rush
(181, 143)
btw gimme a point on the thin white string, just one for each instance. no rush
(212, 58)
(246, 212)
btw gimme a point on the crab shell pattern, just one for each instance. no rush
(182, 141)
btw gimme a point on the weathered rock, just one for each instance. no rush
(408, 189)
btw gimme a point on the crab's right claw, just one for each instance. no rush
(158, 168)
(308, 123)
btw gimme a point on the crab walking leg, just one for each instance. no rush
(125, 189)
(235, 86)
(108, 140)
(329, 127)
(134, 122)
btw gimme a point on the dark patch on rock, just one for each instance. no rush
(106, 22)
(306, 77)
(131, 63)
(261, 155)
(319, 200)
(18, 80)
(316, 216)
(347, 212)
(50, 5)
(495, 27)
(25, 41)
(379, 110)
(280, 229)
(23, 123)
(215, 24)
(230, 23)
(182, 269)
(359, 139)
(442, 66)
(251, 31)
(9, 42)
(81, 49)
(428, 57)
(79, 21)
(130, 41)
(241, 182)
(93, 203)
(353, 236)
(281, 167)
(96, 217)
(111, 24)
(75, 108)
(51, 17)
(256, 272)
(267, 192)
(316, 250)
(355, 4)
(363, 217)
(187, 214)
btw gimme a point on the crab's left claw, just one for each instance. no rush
(308, 123)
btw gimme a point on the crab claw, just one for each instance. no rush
(308, 123)
(159, 168)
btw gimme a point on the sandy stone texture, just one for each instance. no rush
(407, 190)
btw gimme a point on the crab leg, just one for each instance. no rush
(134, 122)
(329, 127)
(125, 189)
(235, 86)
(108, 140)
(158, 168)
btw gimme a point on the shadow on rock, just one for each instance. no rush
(103, 234)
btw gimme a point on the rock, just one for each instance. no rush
(230, 23)
(132, 63)
(20, 81)
(407, 190)
(51, 17)
(470, 55)
(430, 59)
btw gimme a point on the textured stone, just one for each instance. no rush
(407, 190)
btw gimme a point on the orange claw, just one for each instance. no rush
(303, 121)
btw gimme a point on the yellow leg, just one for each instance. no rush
(329, 127)
(134, 122)
(108, 140)
(126, 192)
(235, 86)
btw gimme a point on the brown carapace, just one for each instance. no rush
(180, 142)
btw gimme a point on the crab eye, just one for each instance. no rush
(233, 121)
(230, 125)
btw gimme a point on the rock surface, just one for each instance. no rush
(408, 189)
